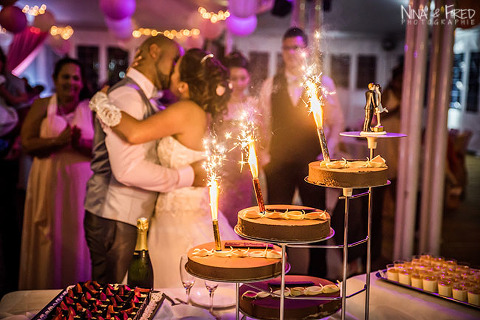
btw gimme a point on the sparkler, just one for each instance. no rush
(317, 110)
(246, 141)
(252, 161)
(215, 156)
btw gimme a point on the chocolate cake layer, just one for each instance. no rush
(346, 177)
(284, 229)
(234, 268)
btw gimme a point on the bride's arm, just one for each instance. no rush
(171, 121)
(159, 125)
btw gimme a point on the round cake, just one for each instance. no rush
(284, 223)
(263, 302)
(240, 260)
(348, 174)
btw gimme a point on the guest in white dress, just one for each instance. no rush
(182, 217)
(58, 132)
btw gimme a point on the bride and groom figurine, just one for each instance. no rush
(373, 105)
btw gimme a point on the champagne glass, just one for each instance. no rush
(211, 287)
(187, 279)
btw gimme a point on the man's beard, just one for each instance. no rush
(164, 80)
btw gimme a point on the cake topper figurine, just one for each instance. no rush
(373, 105)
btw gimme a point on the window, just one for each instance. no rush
(88, 56)
(366, 71)
(457, 85)
(473, 79)
(117, 64)
(340, 69)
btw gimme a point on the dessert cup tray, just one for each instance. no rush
(382, 275)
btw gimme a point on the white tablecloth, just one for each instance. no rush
(387, 301)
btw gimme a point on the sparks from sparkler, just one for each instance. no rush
(247, 134)
(215, 153)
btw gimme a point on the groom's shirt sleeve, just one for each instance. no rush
(129, 163)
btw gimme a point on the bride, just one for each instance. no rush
(182, 217)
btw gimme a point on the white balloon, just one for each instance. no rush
(243, 8)
(121, 29)
(242, 26)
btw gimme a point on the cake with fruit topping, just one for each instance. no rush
(284, 223)
(348, 173)
(238, 260)
(91, 300)
(261, 300)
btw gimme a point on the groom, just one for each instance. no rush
(126, 178)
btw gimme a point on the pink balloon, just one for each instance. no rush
(44, 21)
(242, 8)
(121, 29)
(208, 30)
(117, 9)
(241, 27)
(13, 19)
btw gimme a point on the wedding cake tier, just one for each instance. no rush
(239, 260)
(261, 299)
(284, 223)
(348, 174)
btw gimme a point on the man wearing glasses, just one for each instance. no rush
(290, 137)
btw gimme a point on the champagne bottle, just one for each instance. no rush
(140, 271)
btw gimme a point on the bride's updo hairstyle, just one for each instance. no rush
(207, 80)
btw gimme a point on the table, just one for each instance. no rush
(387, 301)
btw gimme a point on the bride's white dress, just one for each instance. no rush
(182, 218)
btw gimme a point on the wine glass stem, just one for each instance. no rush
(211, 302)
(188, 294)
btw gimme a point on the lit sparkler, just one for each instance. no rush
(246, 142)
(252, 161)
(215, 156)
(317, 110)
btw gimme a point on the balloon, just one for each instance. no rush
(59, 45)
(44, 21)
(6, 3)
(242, 8)
(241, 27)
(13, 19)
(121, 29)
(207, 29)
(117, 9)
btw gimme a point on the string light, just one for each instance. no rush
(35, 10)
(212, 16)
(167, 33)
(64, 32)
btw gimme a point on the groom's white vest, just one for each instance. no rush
(108, 198)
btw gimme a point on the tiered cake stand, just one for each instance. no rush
(347, 195)
(283, 245)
